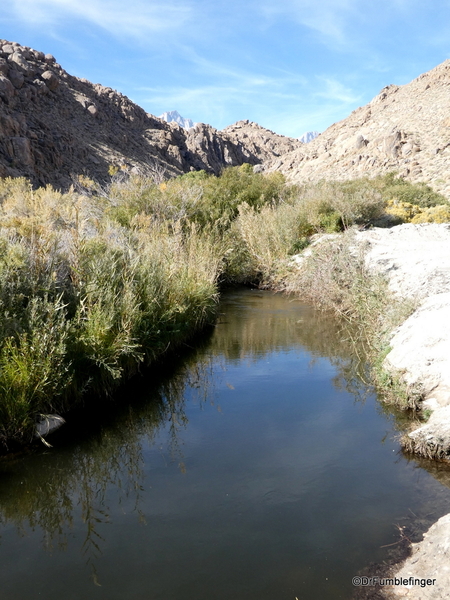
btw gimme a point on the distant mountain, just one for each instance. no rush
(174, 115)
(308, 136)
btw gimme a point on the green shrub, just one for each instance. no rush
(34, 368)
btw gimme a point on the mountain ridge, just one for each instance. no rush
(54, 126)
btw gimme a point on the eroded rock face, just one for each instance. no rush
(54, 126)
(404, 129)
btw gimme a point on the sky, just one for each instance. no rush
(290, 65)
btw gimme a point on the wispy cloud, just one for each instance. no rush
(135, 18)
(335, 91)
(328, 18)
(343, 24)
(301, 105)
(215, 70)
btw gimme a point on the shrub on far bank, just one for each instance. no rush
(86, 299)
(400, 190)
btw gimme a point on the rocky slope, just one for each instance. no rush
(54, 126)
(405, 128)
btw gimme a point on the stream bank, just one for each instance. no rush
(415, 260)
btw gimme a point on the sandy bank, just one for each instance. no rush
(416, 261)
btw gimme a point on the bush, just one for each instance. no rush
(86, 299)
(399, 190)
(434, 214)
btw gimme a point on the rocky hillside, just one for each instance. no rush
(405, 128)
(54, 126)
(260, 141)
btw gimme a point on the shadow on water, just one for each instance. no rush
(106, 464)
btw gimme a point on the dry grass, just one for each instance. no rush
(335, 277)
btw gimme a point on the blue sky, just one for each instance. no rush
(289, 65)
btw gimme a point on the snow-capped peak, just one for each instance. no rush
(174, 115)
(308, 136)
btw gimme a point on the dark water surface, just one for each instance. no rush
(259, 467)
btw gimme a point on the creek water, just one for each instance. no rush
(257, 466)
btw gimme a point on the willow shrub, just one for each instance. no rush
(86, 299)
(196, 197)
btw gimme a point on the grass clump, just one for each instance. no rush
(336, 278)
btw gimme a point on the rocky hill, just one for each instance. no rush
(405, 128)
(54, 126)
(259, 141)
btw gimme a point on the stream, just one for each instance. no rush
(257, 465)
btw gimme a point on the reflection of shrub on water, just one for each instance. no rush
(54, 491)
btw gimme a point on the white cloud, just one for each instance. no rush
(337, 92)
(328, 18)
(213, 70)
(135, 18)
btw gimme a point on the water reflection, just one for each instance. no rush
(101, 464)
(50, 489)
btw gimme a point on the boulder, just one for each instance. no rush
(92, 110)
(4, 67)
(51, 80)
(19, 61)
(6, 89)
(16, 78)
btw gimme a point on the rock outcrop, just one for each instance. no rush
(257, 141)
(405, 129)
(54, 126)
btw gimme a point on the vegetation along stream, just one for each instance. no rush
(257, 466)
